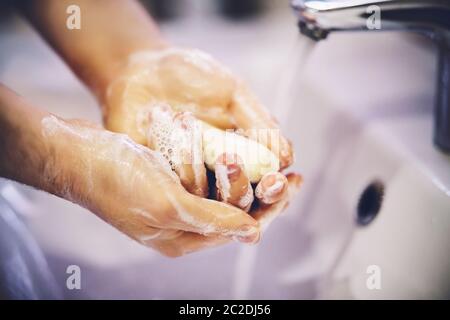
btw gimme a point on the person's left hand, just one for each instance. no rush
(187, 80)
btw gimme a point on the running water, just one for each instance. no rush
(293, 75)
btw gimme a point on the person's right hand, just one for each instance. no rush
(133, 188)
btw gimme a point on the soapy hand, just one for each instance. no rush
(133, 188)
(187, 80)
(190, 80)
(123, 182)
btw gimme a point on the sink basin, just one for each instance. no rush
(358, 111)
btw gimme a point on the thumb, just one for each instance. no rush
(267, 213)
(210, 217)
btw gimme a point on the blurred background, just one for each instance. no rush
(358, 108)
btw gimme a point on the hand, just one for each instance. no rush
(190, 80)
(153, 71)
(132, 188)
(128, 177)
(124, 183)
(187, 80)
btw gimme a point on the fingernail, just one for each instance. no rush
(249, 234)
(249, 239)
(233, 172)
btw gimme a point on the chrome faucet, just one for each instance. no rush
(317, 19)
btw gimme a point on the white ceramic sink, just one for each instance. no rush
(359, 110)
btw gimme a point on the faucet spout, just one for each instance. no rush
(317, 19)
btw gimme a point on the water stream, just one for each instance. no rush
(293, 75)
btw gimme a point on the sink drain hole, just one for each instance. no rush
(370, 203)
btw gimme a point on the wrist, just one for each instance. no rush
(39, 149)
(109, 32)
(68, 171)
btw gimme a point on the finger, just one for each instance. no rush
(265, 214)
(258, 124)
(210, 217)
(191, 169)
(178, 137)
(171, 242)
(271, 188)
(185, 242)
(233, 185)
(174, 243)
(146, 234)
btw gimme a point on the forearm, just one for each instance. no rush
(73, 159)
(110, 31)
(30, 154)
(22, 153)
